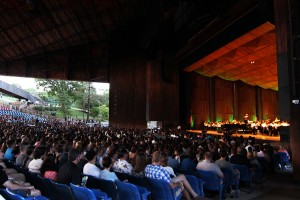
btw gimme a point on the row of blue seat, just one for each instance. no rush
(161, 189)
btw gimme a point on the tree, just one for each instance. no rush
(94, 112)
(104, 111)
(65, 92)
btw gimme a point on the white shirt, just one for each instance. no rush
(122, 166)
(35, 165)
(206, 165)
(92, 170)
(170, 171)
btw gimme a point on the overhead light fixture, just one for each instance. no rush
(252, 62)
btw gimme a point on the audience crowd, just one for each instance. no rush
(63, 152)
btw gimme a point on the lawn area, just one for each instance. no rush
(73, 114)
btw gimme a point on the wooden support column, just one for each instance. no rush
(287, 14)
(212, 99)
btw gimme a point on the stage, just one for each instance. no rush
(245, 135)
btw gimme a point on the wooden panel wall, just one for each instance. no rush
(199, 98)
(223, 99)
(269, 104)
(162, 102)
(245, 98)
(246, 101)
(127, 92)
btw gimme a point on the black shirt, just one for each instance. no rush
(69, 173)
(3, 178)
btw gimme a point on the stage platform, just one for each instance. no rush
(245, 135)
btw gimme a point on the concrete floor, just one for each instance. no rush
(279, 186)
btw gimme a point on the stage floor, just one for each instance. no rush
(258, 136)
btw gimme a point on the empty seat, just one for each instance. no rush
(83, 193)
(161, 190)
(212, 181)
(245, 175)
(109, 187)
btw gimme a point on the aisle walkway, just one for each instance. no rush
(279, 186)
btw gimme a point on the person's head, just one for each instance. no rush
(163, 159)
(123, 154)
(90, 155)
(106, 162)
(74, 155)
(208, 156)
(29, 150)
(223, 153)
(140, 162)
(155, 157)
(39, 152)
(239, 150)
(48, 164)
(23, 148)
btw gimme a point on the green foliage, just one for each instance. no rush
(44, 108)
(65, 92)
(94, 112)
(104, 111)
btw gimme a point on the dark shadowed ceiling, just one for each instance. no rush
(250, 58)
(71, 39)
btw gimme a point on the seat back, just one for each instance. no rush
(229, 179)
(245, 175)
(244, 172)
(281, 159)
(161, 190)
(128, 191)
(121, 176)
(3, 193)
(140, 181)
(82, 193)
(13, 196)
(46, 188)
(62, 191)
(193, 180)
(109, 187)
(187, 165)
(212, 181)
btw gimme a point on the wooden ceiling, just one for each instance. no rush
(250, 58)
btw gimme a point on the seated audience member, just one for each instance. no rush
(172, 162)
(18, 188)
(163, 161)
(240, 158)
(121, 165)
(140, 165)
(69, 172)
(222, 162)
(49, 168)
(156, 171)
(208, 165)
(90, 168)
(282, 149)
(188, 164)
(8, 155)
(35, 165)
(29, 158)
(22, 156)
(106, 173)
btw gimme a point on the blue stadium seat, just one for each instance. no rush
(161, 190)
(282, 160)
(230, 180)
(109, 187)
(83, 193)
(62, 191)
(212, 181)
(196, 184)
(187, 165)
(128, 191)
(13, 196)
(245, 175)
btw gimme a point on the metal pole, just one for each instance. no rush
(89, 94)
